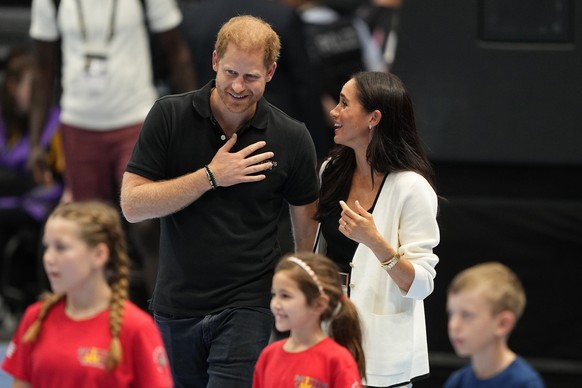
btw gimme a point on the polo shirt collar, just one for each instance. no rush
(201, 102)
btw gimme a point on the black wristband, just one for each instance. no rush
(211, 178)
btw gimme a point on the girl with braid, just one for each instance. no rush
(308, 300)
(86, 333)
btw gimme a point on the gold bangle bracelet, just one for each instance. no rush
(388, 265)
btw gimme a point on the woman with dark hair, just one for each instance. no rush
(377, 214)
(24, 201)
(16, 181)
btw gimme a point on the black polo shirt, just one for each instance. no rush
(220, 251)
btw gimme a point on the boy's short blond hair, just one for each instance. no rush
(249, 33)
(499, 285)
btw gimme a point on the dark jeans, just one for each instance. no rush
(217, 350)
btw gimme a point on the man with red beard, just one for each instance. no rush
(215, 165)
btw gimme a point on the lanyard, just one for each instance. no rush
(111, 29)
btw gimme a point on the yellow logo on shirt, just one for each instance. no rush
(93, 357)
(308, 382)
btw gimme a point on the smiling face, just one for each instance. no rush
(69, 262)
(289, 304)
(241, 78)
(350, 119)
(473, 327)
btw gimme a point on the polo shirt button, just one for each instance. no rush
(352, 264)
(222, 137)
(352, 285)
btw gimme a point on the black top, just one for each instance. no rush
(340, 248)
(220, 251)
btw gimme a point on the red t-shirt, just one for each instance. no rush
(325, 365)
(71, 354)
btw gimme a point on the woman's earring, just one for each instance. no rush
(370, 127)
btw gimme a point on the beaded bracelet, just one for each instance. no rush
(211, 178)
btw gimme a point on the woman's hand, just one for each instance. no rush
(357, 224)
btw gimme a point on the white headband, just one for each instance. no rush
(309, 271)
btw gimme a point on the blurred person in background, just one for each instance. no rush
(484, 304)
(107, 87)
(24, 203)
(382, 17)
(85, 332)
(338, 45)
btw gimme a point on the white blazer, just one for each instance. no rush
(393, 322)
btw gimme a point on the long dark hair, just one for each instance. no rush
(395, 144)
(18, 62)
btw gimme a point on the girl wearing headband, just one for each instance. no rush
(86, 330)
(306, 295)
